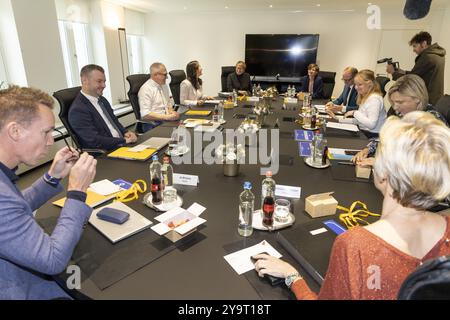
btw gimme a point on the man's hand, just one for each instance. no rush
(200, 102)
(82, 173)
(130, 137)
(172, 116)
(390, 69)
(63, 162)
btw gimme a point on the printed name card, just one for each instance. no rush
(185, 179)
(288, 191)
(253, 99)
(290, 100)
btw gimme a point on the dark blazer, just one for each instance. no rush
(241, 82)
(90, 127)
(352, 105)
(317, 89)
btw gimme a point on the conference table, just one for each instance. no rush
(148, 266)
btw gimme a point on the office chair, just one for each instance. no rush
(430, 281)
(226, 70)
(443, 107)
(329, 81)
(65, 97)
(176, 77)
(382, 81)
(136, 81)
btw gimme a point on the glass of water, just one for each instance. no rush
(169, 195)
(282, 209)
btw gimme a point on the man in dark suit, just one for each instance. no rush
(312, 83)
(349, 96)
(92, 117)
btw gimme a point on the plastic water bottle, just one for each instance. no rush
(221, 109)
(182, 139)
(258, 89)
(246, 208)
(293, 91)
(268, 187)
(215, 117)
(254, 90)
(289, 91)
(155, 180)
(235, 98)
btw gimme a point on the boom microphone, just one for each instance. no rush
(416, 9)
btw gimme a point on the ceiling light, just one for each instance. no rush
(318, 5)
(271, 6)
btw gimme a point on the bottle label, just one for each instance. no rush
(155, 187)
(268, 208)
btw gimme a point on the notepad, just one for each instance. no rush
(124, 153)
(198, 113)
(343, 126)
(93, 199)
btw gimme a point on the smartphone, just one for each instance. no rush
(351, 152)
(274, 281)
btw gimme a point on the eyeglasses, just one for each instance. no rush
(163, 74)
(71, 148)
(349, 79)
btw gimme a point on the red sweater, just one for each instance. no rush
(364, 266)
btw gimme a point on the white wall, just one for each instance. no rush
(219, 39)
(12, 55)
(444, 41)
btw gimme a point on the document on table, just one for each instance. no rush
(342, 126)
(213, 101)
(105, 187)
(240, 260)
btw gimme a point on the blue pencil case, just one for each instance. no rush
(113, 215)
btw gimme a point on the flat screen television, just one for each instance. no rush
(286, 55)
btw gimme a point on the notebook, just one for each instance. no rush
(123, 153)
(93, 199)
(312, 252)
(116, 232)
(198, 113)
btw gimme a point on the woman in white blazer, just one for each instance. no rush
(371, 114)
(191, 92)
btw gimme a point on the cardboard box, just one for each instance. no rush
(178, 223)
(321, 205)
(363, 172)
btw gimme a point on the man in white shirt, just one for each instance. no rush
(347, 99)
(92, 117)
(155, 98)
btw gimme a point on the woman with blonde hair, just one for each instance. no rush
(371, 115)
(408, 94)
(372, 262)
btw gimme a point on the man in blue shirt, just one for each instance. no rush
(29, 256)
(347, 99)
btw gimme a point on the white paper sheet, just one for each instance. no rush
(288, 191)
(105, 187)
(240, 260)
(342, 126)
(138, 148)
(196, 209)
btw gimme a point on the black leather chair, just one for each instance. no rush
(430, 281)
(382, 81)
(65, 98)
(329, 81)
(176, 77)
(443, 107)
(226, 70)
(136, 81)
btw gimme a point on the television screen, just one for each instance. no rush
(285, 54)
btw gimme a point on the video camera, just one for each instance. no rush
(389, 61)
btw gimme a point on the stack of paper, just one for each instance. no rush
(342, 126)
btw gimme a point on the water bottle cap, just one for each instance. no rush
(269, 174)
(247, 185)
(155, 157)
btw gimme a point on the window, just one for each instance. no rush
(135, 56)
(76, 46)
(3, 77)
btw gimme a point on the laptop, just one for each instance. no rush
(116, 232)
(156, 143)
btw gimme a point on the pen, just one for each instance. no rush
(347, 163)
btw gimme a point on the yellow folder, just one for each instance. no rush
(93, 199)
(198, 113)
(123, 153)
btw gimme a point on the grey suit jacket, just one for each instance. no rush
(27, 254)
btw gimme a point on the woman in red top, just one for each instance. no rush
(412, 171)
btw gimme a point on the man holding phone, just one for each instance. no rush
(29, 256)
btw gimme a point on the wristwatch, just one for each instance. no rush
(51, 180)
(289, 280)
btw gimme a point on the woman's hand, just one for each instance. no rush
(270, 265)
(360, 156)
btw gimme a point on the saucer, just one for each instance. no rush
(309, 162)
(309, 127)
(258, 225)
(163, 206)
(173, 153)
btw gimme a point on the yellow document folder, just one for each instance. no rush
(198, 113)
(93, 199)
(123, 153)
